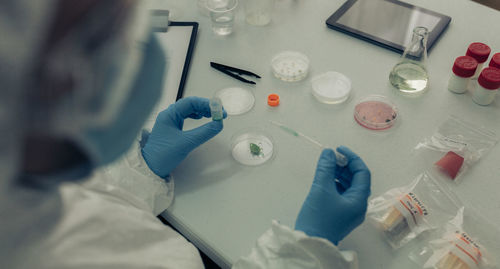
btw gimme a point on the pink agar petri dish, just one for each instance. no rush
(375, 112)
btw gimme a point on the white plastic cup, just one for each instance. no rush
(222, 14)
(483, 96)
(487, 86)
(463, 69)
(458, 84)
(258, 12)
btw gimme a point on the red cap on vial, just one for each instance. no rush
(489, 78)
(495, 60)
(478, 51)
(464, 66)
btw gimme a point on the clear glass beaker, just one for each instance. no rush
(258, 12)
(222, 14)
(409, 75)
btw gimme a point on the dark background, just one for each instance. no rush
(491, 3)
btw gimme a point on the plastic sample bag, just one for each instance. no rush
(404, 213)
(466, 242)
(455, 147)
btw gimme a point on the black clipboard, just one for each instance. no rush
(189, 54)
(178, 42)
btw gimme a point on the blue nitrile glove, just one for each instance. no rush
(168, 145)
(333, 209)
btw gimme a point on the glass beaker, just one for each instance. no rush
(222, 14)
(409, 75)
(258, 12)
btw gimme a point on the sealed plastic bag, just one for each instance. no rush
(404, 213)
(466, 242)
(455, 147)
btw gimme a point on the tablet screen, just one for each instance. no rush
(387, 21)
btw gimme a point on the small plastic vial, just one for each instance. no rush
(216, 109)
(495, 60)
(480, 52)
(487, 86)
(341, 159)
(463, 69)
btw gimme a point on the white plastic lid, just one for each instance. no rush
(290, 66)
(331, 87)
(252, 147)
(236, 100)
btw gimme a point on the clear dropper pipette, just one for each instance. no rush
(341, 159)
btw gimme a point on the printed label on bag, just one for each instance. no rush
(466, 249)
(455, 141)
(412, 209)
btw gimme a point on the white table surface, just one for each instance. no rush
(223, 207)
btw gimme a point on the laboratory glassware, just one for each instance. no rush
(410, 75)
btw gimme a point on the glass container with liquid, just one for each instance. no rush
(409, 75)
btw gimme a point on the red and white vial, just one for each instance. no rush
(480, 52)
(463, 69)
(487, 86)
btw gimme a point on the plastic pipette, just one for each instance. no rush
(341, 159)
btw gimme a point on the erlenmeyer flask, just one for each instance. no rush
(409, 75)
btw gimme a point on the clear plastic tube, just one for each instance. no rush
(341, 159)
(216, 109)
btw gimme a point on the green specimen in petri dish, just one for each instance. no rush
(255, 149)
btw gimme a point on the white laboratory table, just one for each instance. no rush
(223, 207)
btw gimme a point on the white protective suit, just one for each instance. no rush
(109, 220)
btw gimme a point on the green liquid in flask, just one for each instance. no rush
(409, 77)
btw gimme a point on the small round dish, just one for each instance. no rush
(331, 87)
(290, 66)
(376, 112)
(252, 148)
(236, 100)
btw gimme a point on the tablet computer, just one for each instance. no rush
(387, 23)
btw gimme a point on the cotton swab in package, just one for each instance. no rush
(466, 242)
(403, 213)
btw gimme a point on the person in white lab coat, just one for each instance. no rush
(77, 190)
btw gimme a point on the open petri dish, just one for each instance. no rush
(375, 112)
(290, 66)
(331, 87)
(236, 100)
(252, 147)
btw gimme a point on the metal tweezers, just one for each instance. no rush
(230, 71)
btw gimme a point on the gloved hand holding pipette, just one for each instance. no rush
(341, 159)
(332, 210)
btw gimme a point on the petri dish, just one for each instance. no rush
(331, 87)
(236, 100)
(375, 112)
(250, 147)
(290, 66)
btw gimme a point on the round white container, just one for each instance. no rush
(463, 69)
(290, 66)
(331, 87)
(458, 84)
(486, 86)
(483, 96)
